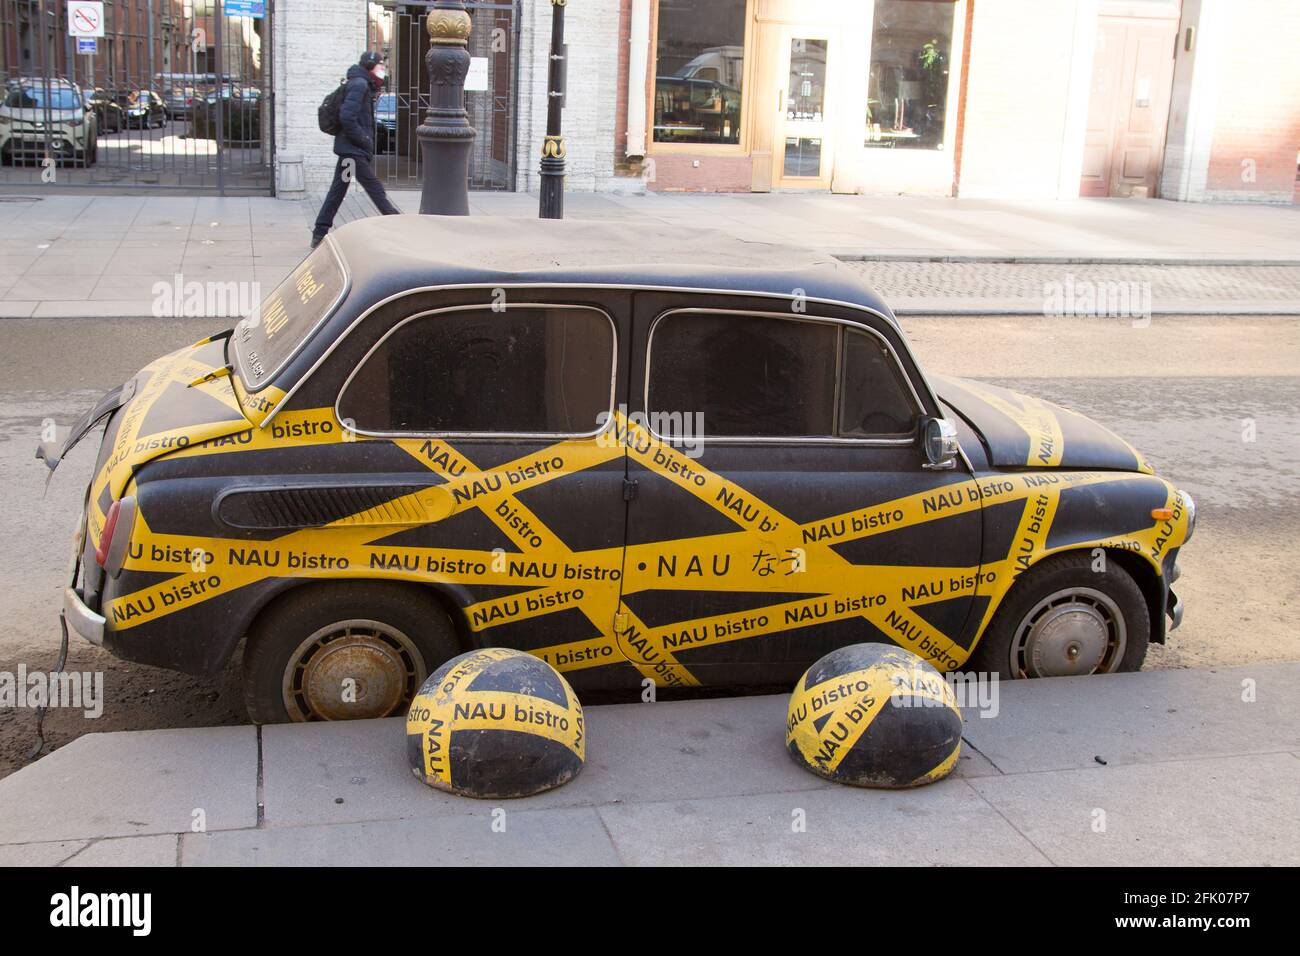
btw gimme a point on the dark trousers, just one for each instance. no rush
(362, 172)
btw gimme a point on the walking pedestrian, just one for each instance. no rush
(354, 144)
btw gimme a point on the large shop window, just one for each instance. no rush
(699, 65)
(907, 93)
(527, 370)
(762, 377)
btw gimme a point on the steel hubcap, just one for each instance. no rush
(1071, 632)
(352, 670)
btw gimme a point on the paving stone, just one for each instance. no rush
(1006, 283)
(128, 784)
(556, 837)
(1226, 811)
(159, 850)
(946, 823)
(39, 854)
(635, 752)
(1150, 716)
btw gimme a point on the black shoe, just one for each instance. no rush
(316, 240)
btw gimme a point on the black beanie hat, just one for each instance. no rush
(369, 59)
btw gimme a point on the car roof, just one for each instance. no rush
(39, 81)
(388, 255)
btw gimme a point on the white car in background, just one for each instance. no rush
(39, 116)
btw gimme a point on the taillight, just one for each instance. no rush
(106, 536)
(111, 551)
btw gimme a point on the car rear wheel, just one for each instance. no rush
(1064, 619)
(343, 651)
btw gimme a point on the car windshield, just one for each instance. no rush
(266, 340)
(387, 103)
(34, 97)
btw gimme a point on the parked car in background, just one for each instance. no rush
(109, 116)
(667, 454)
(40, 118)
(386, 123)
(241, 116)
(179, 101)
(142, 109)
(181, 91)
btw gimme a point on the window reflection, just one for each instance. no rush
(700, 62)
(907, 93)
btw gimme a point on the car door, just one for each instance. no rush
(502, 402)
(782, 505)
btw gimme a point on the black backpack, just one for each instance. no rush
(327, 114)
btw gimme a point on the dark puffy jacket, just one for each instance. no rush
(357, 116)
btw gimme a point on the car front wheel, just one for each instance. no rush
(1063, 618)
(343, 651)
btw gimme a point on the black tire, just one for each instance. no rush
(1054, 576)
(283, 680)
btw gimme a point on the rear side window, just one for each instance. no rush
(770, 377)
(267, 339)
(747, 375)
(528, 370)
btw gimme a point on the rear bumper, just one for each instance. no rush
(81, 618)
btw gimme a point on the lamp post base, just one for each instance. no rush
(445, 171)
(551, 205)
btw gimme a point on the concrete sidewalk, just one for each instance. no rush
(69, 256)
(1155, 768)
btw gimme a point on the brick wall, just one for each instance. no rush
(677, 172)
(1257, 119)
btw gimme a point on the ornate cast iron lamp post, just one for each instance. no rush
(551, 205)
(445, 136)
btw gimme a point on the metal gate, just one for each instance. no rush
(174, 95)
(395, 28)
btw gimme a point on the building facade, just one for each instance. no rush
(1194, 100)
(1027, 99)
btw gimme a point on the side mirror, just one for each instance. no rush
(940, 439)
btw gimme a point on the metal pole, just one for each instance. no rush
(219, 106)
(551, 204)
(445, 136)
(152, 82)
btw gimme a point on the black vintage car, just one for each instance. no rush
(634, 451)
(142, 109)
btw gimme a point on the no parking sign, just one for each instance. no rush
(85, 18)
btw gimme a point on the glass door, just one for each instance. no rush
(803, 151)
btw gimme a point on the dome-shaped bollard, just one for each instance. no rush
(495, 723)
(874, 715)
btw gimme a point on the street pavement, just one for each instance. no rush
(1160, 768)
(69, 256)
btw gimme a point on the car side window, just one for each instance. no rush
(527, 370)
(748, 376)
(874, 399)
(759, 376)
